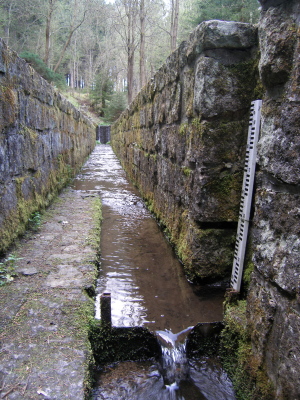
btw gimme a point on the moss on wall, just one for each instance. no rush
(44, 141)
(121, 344)
(248, 376)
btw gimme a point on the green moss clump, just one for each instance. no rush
(94, 236)
(30, 133)
(183, 129)
(153, 157)
(248, 74)
(248, 376)
(248, 269)
(226, 189)
(186, 171)
(122, 344)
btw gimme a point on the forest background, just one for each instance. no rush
(105, 51)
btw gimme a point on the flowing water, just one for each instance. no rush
(148, 288)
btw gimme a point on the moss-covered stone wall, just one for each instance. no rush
(261, 336)
(273, 301)
(182, 141)
(43, 142)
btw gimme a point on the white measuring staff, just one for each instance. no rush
(246, 198)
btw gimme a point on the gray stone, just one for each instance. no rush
(27, 271)
(216, 89)
(277, 37)
(274, 325)
(221, 35)
(276, 240)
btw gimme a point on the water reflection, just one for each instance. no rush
(201, 380)
(138, 266)
(148, 288)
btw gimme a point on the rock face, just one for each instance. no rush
(183, 141)
(273, 300)
(43, 141)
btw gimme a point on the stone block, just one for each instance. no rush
(276, 242)
(277, 36)
(217, 34)
(218, 90)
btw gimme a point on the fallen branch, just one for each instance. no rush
(9, 391)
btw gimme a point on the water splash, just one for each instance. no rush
(174, 362)
(174, 377)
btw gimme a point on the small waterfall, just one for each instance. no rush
(174, 363)
(174, 377)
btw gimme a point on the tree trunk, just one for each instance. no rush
(130, 59)
(48, 31)
(72, 30)
(174, 23)
(142, 45)
(131, 15)
(130, 69)
(7, 25)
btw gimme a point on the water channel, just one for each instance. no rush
(148, 288)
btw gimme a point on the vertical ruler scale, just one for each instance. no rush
(246, 198)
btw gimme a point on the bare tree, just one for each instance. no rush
(49, 17)
(174, 23)
(76, 22)
(142, 44)
(126, 27)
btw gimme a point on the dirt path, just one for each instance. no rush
(44, 312)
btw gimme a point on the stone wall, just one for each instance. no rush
(43, 141)
(273, 299)
(182, 141)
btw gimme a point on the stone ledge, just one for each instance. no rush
(45, 311)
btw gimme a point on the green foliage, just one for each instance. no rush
(187, 171)
(40, 67)
(7, 269)
(227, 10)
(101, 93)
(35, 221)
(115, 106)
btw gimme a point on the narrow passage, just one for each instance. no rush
(148, 288)
(138, 265)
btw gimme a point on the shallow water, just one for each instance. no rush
(138, 265)
(174, 377)
(148, 288)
